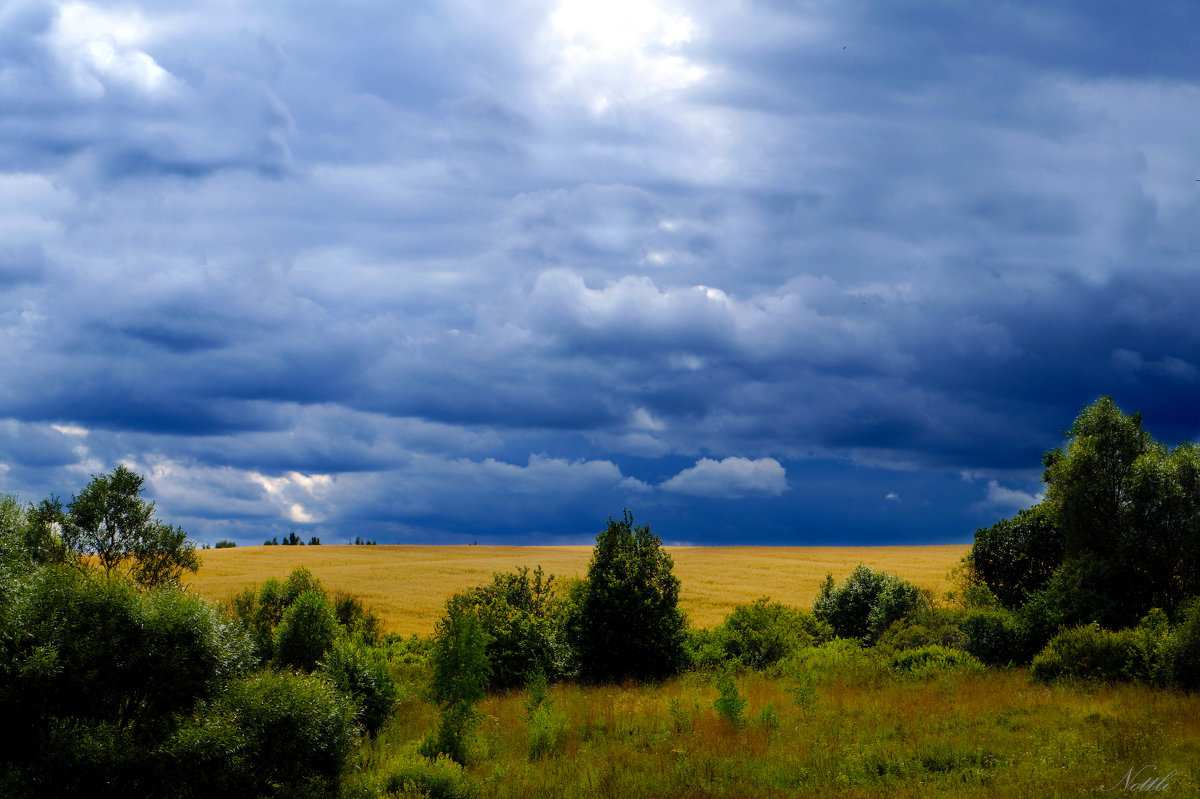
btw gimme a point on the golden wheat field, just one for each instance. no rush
(407, 585)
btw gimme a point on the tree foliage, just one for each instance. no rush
(625, 617)
(109, 520)
(521, 615)
(1015, 557)
(866, 603)
(460, 678)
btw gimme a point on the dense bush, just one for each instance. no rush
(225, 545)
(866, 603)
(261, 608)
(1092, 653)
(1181, 650)
(82, 646)
(412, 775)
(995, 636)
(94, 675)
(522, 617)
(1015, 557)
(932, 627)
(927, 661)
(358, 672)
(270, 735)
(758, 635)
(306, 631)
(460, 678)
(356, 619)
(625, 620)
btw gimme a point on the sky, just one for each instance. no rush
(452, 272)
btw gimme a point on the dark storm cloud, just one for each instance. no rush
(769, 271)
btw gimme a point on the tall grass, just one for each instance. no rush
(867, 732)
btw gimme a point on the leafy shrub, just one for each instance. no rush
(460, 678)
(262, 608)
(225, 544)
(729, 702)
(994, 636)
(306, 631)
(358, 672)
(929, 628)
(842, 660)
(1181, 650)
(930, 660)
(1016, 557)
(543, 725)
(416, 776)
(355, 618)
(522, 618)
(273, 734)
(1091, 653)
(81, 646)
(763, 633)
(625, 620)
(866, 603)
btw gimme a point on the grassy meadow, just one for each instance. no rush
(860, 731)
(408, 585)
(835, 720)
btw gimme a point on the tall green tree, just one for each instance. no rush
(1117, 534)
(625, 618)
(1015, 557)
(111, 521)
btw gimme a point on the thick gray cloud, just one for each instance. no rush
(438, 272)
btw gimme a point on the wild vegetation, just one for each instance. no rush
(1032, 677)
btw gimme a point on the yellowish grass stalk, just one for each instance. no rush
(408, 585)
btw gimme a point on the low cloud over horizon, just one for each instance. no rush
(763, 273)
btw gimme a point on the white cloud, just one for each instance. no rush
(731, 477)
(1005, 498)
(99, 48)
(70, 430)
(892, 496)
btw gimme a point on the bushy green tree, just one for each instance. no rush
(95, 674)
(761, 634)
(358, 672)
(625, 618)
(1015, 557)
(522, 617)
(261, 608)
(460, 678)
(109, 520)
(306, 632)
(268, 735)
(866, 603)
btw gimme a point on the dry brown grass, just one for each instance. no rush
(408, 585)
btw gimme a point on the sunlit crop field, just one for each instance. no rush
(407, 585)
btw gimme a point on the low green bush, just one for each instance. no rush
(522, 616)
(270, 735)
(995, 636)
(926, 628)
(1181, 649)
(758, 635)
(866, 603)
(1091, 653)
(415, 776)
(729, 702)
(359, 672)
(928, 661)
(306, 631)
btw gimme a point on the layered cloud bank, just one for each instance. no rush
(762, 273)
